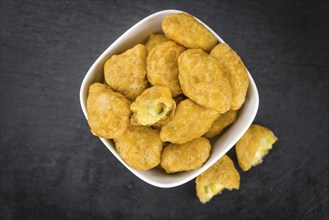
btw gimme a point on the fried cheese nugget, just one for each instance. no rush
(154, 105)
(153, 40)
(236, 71)
(187, 156)
(203, 80)
(222, 175)
(190, 121)
(187, 31)
(253, 146)
(126, 73)
(108, 111)
(222, 122)
(140, 147)
(162, 66)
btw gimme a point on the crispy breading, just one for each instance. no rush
(126, 73)
(187, 31)
(190, 121)
(222, 175)
(222, 122)
(108, 111)
(162, 66)
(253, 146)
(237, 73)
(183, 157)
(153, 40)
(203, 80)
(140, 147)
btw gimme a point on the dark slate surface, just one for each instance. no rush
(53, 168)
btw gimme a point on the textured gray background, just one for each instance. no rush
(53, 168)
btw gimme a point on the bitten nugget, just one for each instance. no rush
(162, 66)
(154, 105)
(184, 157)
(190, 121)
(153, 40)
(203, 80)
(222, 122)
(126, 73)
(108, 111)
(236, 71)
(140, 147)
(222, 175)
(253, 146)
(187, 31)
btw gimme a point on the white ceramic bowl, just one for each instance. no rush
(138, 34)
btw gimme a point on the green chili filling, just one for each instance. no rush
(161, 110)
(206, 189)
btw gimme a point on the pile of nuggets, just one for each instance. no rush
(161, 101)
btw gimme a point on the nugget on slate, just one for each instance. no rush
(222, 175)
(222, 122)
(203, 80)
(187, 31)
(183, 157)
(237, 73)
(253, 146)
(126, 73)
(190, 121)
(153, 40)
(140, 147)
(154, 105)
(162, 66)
(108, 111)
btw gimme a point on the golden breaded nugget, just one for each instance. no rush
(222, 175)
(222, 122)
(253, 146)
(236, 71)
(162, 66)
(126, 73)
(154, 105)
(153, 40)
(108, 111)
(187, 31)
(190, 121)
(140, 147)
(184, 157)
(203, 80)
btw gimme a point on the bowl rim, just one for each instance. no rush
(86, 82)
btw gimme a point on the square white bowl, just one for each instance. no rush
(220, 146)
